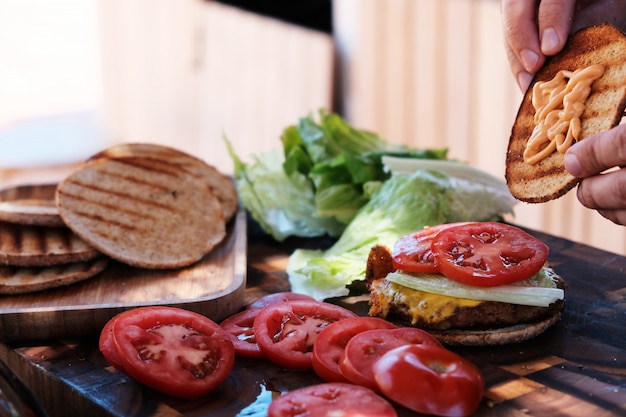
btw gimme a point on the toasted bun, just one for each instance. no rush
(489, 323)
(141, 211)
(498, 336)
(30, 204)
(548, 180)
(20, 280)
(27, 246)
(220, 185)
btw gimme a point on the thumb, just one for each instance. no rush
(597, 153)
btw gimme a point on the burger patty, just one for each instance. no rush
(405, 306)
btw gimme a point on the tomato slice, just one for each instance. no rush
(365, 348)
(240, 328)
(332, 341)
(175, 351)
(331, 399)
(488, 254)
(430, 379)
(106, 344)
(413, 252)
(279, 297)
(286, 332)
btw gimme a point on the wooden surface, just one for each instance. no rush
(577, 368)
(214, 286)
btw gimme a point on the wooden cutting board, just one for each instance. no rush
(214, 286)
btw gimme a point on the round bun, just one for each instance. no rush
(501, 336)
(141, 211)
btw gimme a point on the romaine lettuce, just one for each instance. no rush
(319, 181)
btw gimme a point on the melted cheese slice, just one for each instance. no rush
(421, 306)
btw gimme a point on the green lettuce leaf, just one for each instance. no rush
(282, 205)
(404, 203)
(319, 181)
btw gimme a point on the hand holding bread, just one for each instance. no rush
(534, 30)
(599, 106)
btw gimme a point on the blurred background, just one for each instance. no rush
(79, 75)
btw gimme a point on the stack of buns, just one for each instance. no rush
(145, 205)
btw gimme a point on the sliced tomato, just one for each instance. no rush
(332, 341)
(175, 351)
(430, 379)
(106, 344)
(331, 399)
(240, 328)
(279, 297)
(413, 252)
(286, 332)
(365, 348)
(488, 254)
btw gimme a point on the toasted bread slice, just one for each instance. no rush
(30, 204)
(604, 108)
(141, 211)
(219, 184)
(20, 280)
(27, 246)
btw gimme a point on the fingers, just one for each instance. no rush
(555, 21)
(521, 39)
(597, 153)
(605, 193)
(533, 30)
(616, 216)
(598, 160)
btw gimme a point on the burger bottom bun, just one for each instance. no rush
(501, 336)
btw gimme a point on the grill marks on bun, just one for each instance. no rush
(141, 211)
(220, 185)
(27, 246)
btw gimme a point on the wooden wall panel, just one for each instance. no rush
(433, 73)
(186, 73)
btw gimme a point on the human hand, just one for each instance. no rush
(600, 190)
(536, 29)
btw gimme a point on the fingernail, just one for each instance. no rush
(549, 40)
(523, 80)
(529, 59)
(572, 165)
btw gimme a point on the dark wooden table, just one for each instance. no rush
(577, 368)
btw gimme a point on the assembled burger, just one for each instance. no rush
(472, 284)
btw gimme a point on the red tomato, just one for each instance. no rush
(175, 351)
(286, 332)
(240, 328)
(488, 254)
(430, 379)
(331, 342)
(365, 348)
(413, 252)
(331, 399)
(279, 297)
(106, 344)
